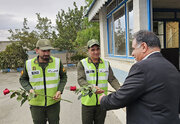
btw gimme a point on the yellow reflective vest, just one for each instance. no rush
(96, 77)
(44, 83)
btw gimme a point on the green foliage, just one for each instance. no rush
(77, 57)
(22, 95)
(71, 33)
(87, 34)
(85, 90)
(90, 31)
(28, 37)
(67, 25)
(25, 36)
(44, 27)
(88, 2)
(4, 60)
(13, 57)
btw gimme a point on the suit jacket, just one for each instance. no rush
(151, 93)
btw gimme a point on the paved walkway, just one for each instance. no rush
(12, 113)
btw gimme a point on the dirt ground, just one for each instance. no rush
(12, 113)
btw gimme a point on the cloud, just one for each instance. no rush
(13, 12)
(9, 22)
(4, 34)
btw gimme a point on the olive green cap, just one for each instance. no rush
(92, 42)
(44, 44)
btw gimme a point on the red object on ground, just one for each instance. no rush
(72, 88)
(6, 91)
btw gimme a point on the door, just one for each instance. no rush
(168, 33)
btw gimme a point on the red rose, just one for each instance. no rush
(6, 91)
(72, 88)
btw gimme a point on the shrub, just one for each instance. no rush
(13, 57)
(77, 57)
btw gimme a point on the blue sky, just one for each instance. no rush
(13, 12)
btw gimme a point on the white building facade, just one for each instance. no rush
(120, 19)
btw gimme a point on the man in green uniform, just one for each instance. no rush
(45, 76)
(97, 72)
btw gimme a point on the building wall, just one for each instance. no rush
(103, 32)
(140, 15)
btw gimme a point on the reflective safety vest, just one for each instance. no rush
(45, 83)
(95, 77)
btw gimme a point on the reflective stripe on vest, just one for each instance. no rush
(47, 86)
(29, 68)
(36, 80)
(90, 71)
(101, 85)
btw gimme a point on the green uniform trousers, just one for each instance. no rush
(41, 114)
(93, 115)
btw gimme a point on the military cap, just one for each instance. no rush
(92, 42)
(44, 44)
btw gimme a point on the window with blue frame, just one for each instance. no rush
(110, 35)
(130, 25)
(119, 32)
(120, 28)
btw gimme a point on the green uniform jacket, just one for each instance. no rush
(24, 79)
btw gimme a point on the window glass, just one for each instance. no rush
(119, 32)
(172, 34)
(158, 29)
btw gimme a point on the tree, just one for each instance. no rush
(88, 2)
(90, 31)
(44, 27)
(68, 24)
(28, 37)
(13, 57)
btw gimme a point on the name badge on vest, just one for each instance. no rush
(103, 71)
(90, 71)
(52, 70)
(35, 72)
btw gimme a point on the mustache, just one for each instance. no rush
(46, 56)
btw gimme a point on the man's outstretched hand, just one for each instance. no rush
(57, 96)
(98, 90)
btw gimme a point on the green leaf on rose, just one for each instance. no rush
(23, 101)
(24, 94)
(79, 97)
(13, 95)
(90, 94)
(31, 95)
(17, 92)
(19, 97)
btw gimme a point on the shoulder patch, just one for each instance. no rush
(33, 68)
(64, 69)
(22, 72)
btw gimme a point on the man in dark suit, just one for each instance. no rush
(151, 91)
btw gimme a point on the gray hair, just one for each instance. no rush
(148, 37)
